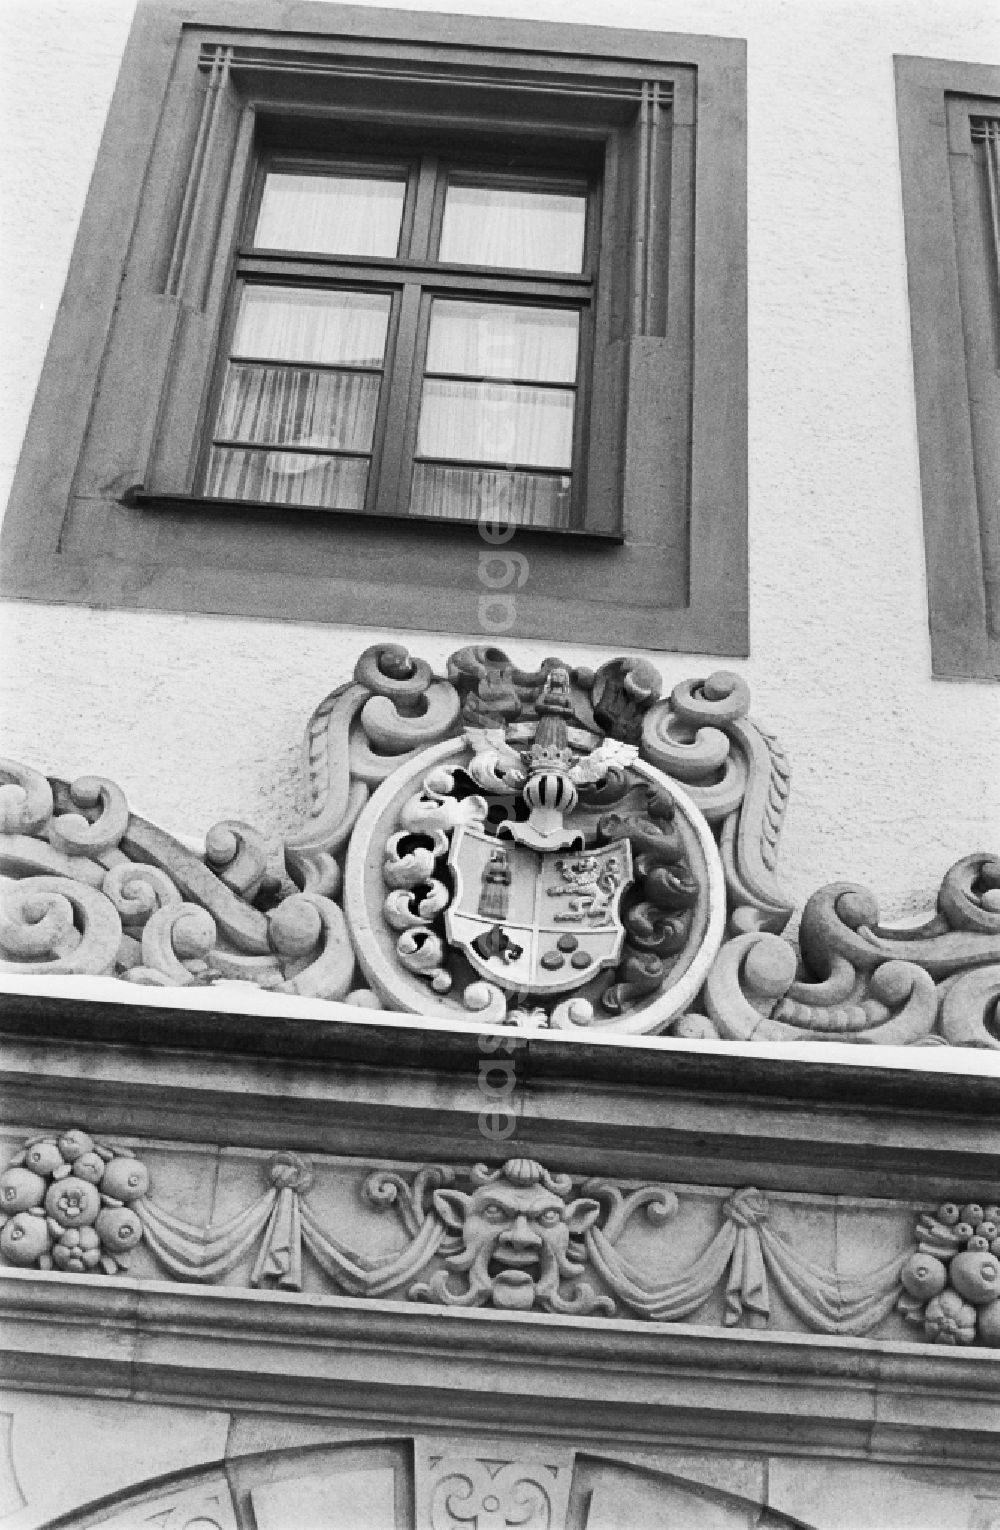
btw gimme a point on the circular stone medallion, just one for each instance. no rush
(620, 905)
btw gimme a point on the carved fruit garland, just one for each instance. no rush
(515, 1237)
(951, 1284)
(66, 1203)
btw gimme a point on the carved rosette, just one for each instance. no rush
(558, 847)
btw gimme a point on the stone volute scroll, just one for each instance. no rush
(554, 847)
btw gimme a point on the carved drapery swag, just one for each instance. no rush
(557, 847)
(515, 1237)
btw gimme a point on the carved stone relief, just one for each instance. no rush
(951, 1285)
(66, 1203)
(426, 1482)
(515, 1237)
(558, 847)
(499, 1486)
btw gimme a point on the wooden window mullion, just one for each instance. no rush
(423, 212)
(391, 496)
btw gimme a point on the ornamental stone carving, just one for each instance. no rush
(556, 847)
(951, 1285)
(491, 1489)
(66, 1203)
(516, 1237)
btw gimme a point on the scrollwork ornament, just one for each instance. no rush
(138, 891)
(454, 797)
(969, 898)
(723, 698)
(468, 1494)
(96, 818)
(621, 694)
(970, 1009)
(393, 731)
(312, 929)
(422, 951)
(237, 854)
(842, 919)
(175, 941)
(410, 906)
(752, 995)
(384, 1187)
(26, 802)
(738, 776)
(434, 809)
(411, 858)
(55, 925)
(657, 1203)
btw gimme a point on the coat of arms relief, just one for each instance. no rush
(532, 865)
(559, 847)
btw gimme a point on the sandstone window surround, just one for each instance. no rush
(112, 504)
(949, 134)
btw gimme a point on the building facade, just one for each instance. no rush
(501, 907)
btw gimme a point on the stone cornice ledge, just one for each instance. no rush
(384, 1361)
(914, 1123)
(238, 1018)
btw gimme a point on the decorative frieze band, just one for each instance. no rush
(559, 847)
(515, 1237)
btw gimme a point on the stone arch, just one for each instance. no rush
(420, 1483)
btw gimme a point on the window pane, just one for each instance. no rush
(495, 422)
(498, 226)
(290, 405)
(485, 494)
(503, 340)
(331, 214)
(296, 324)
(288, 478)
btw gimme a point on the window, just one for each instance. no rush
(949, 130)
(340, 296)
(409, 336)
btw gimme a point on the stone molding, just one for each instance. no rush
(672, 807)
(407, 1364)
(513, 1238)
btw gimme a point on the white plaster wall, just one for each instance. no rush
(894, 776)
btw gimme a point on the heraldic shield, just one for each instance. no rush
(533, 921)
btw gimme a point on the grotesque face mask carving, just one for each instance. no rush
(514, 1237)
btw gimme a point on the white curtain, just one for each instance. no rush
(509, 340)
(287, 478)
(496, 422)
(301, 324)
(297, 407)
(487, 494)
(330, 214)
(530, 230)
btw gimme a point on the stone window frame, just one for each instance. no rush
(948, 276)
(102, 512)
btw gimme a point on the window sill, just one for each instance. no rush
(207, 505)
